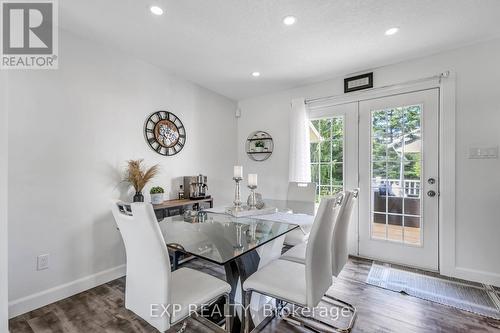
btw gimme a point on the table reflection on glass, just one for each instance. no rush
(221, 238)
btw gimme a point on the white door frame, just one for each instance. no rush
(3, 204)
(446, 82)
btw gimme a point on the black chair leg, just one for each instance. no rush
(175, 260)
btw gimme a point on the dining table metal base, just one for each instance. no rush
(237, 271)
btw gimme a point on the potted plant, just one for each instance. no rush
(138, 176)
(259, 145)
(156, 195)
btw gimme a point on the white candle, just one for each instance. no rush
(252, 179)
(238, 171)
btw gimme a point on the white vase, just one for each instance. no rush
(156, 198)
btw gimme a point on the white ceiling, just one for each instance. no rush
(219, 43)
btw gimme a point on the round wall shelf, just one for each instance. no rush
(259, 146)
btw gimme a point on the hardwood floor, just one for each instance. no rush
(396, 233)
(102, 310)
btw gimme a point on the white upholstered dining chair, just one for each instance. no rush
(340, 235)
(300, 192)
(339, 246)
(296, 283)
(151, 287)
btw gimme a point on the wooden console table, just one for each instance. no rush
(178, 207)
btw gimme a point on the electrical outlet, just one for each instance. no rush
(42, 262)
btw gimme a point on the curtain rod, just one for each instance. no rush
(322, 99)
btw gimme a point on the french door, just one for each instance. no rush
(398, 178)
(334, 154)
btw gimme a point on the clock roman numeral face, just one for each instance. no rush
(165, 133)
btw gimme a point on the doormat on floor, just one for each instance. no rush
(469, 296)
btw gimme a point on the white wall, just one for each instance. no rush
(477, 124)
(266, 113)
(70, 132)
(3, 203)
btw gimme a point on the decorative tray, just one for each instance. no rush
(245, 211)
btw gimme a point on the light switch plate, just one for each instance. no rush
(483, 153)
(42, 262)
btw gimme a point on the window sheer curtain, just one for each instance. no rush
(299, 160)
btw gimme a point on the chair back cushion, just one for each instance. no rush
(301, 192)
(340, 250)
(318, 251)
(148, 264)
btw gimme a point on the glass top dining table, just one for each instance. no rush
(221, 238)
(240, 244)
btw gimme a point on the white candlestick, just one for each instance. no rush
(252, 179)
(238, 171)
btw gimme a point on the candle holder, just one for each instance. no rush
(253, 201)
(237, 194)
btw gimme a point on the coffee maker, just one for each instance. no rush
(196, 187)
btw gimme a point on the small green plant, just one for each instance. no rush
(259, 144)
(157, 190)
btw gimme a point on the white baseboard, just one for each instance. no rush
(22, 305)
(477, 276)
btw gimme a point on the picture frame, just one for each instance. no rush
(358, 82)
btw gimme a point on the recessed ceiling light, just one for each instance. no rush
(256, 74)
(156, 10)
(391, 31)
(289, 20)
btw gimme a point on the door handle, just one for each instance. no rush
(431, 193)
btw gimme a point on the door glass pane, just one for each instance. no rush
(325, 174)
(412, 206)
(395, 126)
(412, 230)
(325, 128)
(396, 174)
(325, 151)
(379, 230)
(337, 174)
(379, 124)
(337, 151)
(314, 152)
(379, 150)
(315, 173)
(325, 191)
(395, 204)
(395, 227)
(338, 128)
(327, 155)
(379, 201)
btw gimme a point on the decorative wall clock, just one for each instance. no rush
(165, 133)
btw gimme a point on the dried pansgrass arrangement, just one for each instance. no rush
(138, 176)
